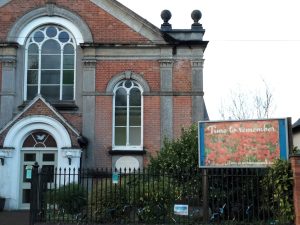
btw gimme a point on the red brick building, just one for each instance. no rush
(90, 83)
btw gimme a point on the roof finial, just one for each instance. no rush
(196, 16)
(166, 15)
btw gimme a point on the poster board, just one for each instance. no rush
(242, 143)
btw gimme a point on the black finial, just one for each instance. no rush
(166, 15)
(196, 16)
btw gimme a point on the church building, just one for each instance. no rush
(89, 83)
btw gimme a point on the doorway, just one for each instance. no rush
(38, 147)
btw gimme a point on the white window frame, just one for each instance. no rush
(39, 63)
(128, 147)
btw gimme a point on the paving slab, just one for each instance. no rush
(14, 217)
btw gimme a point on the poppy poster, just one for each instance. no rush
(246, 143)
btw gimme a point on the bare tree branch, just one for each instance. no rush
(246, 105)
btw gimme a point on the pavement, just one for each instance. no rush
(14, 217)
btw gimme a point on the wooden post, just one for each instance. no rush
(205, 195)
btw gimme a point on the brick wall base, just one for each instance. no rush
(295, 161)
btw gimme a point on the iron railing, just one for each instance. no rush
(200, 196)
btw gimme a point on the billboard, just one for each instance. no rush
(243, 143)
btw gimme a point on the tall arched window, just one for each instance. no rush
(50, 64)
(128, 116)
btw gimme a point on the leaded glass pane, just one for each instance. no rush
(49, 170)
(120, 136)
(50, 142)
(26, 194)
(51, 47)
(68, 92)
(63, 37)
(135, 116)
(50, 77)
(134, 135)
(128, 84)
(33, 49)
(50, 61)
(48, 157)
(68, 49)
(33, 61)
(68, 61)
(135, 97)
(120, 116)
(32, 92)
(30, 157)
(50, 92)
(68, 77)
(38, 36)
(121, 97)
(51, 32)
(29, 141)
(32, 77)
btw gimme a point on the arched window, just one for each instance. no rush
(50, 64)
(128, 116)
(39, 139)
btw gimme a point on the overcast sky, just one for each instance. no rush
(249, 41)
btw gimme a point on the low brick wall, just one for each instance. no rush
(295, 161)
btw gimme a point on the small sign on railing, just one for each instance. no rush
(181, 210)
(115, 177)
(28, 169)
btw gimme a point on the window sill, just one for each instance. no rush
(59, 105)
(127, 152)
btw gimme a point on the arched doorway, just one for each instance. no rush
(39, 146)
(34, 138)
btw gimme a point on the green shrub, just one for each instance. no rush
(145, 198)
(178, 154)
(71, 198)
(278, 185)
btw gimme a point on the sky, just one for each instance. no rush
(250, 42)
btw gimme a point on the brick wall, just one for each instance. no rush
(152, 135)
(149, 70)
(104, 27)
(295, 161)
(182, 76)
(103, 131)
(182, 113)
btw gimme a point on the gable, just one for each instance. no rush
(108, 20)
(39, 107)
(131, 20)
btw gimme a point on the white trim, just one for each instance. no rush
(3, 2)
(25, 126)
(50, 20)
